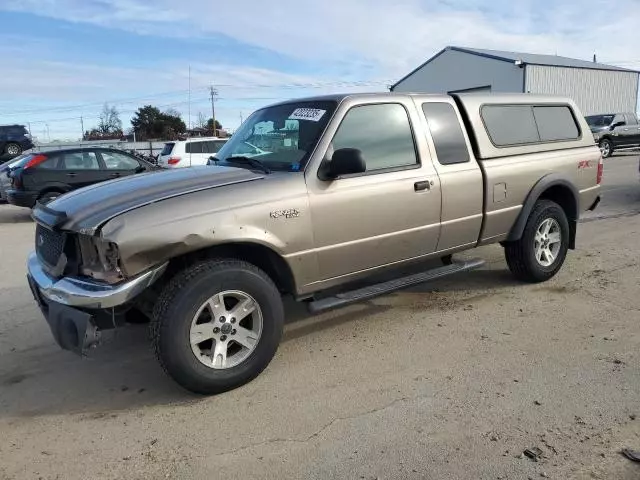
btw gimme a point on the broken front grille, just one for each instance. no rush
(49, 245)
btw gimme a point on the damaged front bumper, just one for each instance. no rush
(75, 307)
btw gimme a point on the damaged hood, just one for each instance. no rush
(85, 210)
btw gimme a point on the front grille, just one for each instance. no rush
(49, 245)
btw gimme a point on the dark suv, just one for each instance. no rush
(14, 139)
(41, 177)
(615, 131)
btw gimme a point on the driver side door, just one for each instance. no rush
(386, 215)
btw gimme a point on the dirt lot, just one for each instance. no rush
(453, 379)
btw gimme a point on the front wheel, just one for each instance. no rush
(217, 325)
(606, 148)
(542, 249)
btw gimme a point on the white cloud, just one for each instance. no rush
(390, 36)
(354, 39)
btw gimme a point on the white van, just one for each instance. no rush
(190, 152)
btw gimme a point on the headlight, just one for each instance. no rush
(100, 259)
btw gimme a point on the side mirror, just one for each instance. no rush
(617, 124)
(346, 161)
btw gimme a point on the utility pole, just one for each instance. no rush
(189, 125)
(214, 92)
(82, 127)
(241, 119)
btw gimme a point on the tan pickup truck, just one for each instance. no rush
(307, 197)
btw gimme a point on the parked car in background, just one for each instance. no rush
(14, 139)
(5, 181)
(615, 131)
(43, 176)
(190, 152)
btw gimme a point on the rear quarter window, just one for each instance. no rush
(510, 125)
(167, 149)
(195, 147)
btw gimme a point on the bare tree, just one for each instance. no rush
(202, 121)
(109, 122)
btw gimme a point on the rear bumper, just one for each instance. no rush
(21, 199)
(90, 294)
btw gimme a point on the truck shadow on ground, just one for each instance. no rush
(123, 374)
(11, 214)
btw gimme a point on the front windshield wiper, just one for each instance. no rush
(252, 162)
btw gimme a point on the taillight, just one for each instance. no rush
(600, 171)
(35, 160)
(173, 160)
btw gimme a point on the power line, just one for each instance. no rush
(127, 100)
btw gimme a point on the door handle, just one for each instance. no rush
(421, 186)
(115, 175)
(72, 174)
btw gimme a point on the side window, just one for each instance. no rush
(381, 132)
(51, 163)
(79, 161)
(118, 161)
(194, 147)
(620, 120)
(446, 132)
(631, 119)
(510, 124)
(555, 123)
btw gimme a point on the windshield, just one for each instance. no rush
(599, 120)
(281, 137)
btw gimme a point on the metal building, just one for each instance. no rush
(595, 87)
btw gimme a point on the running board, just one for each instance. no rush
(365, 293)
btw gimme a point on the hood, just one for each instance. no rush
(86, 209)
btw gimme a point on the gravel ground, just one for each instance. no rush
(453, 379)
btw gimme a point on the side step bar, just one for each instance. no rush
(365, 293)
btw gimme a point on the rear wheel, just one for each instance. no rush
(13, 149)
(542, 249)
(606, 147)
(217, 325)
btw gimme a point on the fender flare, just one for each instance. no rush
(546, 182)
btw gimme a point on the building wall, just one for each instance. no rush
(454, 70)
(595, 91)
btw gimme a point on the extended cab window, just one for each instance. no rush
(446, 133)
(509, 125)
(381, 132)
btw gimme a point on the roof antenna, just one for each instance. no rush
(594, 57)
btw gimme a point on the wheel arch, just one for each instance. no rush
(263, 257)
(558, 189)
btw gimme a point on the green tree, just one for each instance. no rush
(150, 123)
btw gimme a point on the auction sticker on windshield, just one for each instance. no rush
(312, 114)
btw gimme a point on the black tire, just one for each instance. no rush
(48, 197)
(12, 149)
(520, 255)
(178, 304)
(606, 147)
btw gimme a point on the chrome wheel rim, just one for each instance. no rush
(547, 242)
(13, 150)
(605, 148)
(226, 329)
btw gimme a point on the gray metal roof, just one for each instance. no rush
(537, 59)
(525, 58)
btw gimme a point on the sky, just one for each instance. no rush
(63, 59)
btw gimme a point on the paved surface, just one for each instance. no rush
(448, 380)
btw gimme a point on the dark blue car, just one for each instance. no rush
(14, 139)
